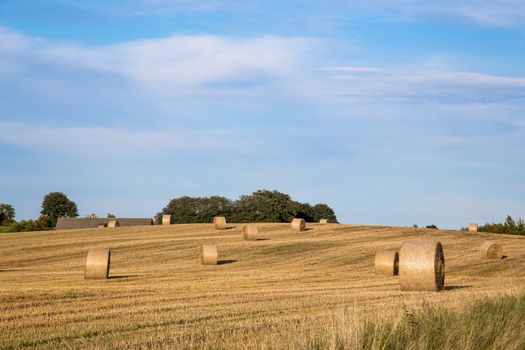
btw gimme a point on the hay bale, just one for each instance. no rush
(208, 254)
(387, 262)
(113, 223)
(102, 225)
(490, 250)
(219, 223)
(421, 266)
(473, 227)
(323, 221)
(298, 225)
(166, 219)
(97, 263)
(250, 232)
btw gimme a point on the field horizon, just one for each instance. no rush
(261, 294)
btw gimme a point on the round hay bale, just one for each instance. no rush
(113, 223)
(208, 254)
(102, 225)
(166, 219)
(490, 250)
(97, 263)
(473, 227)
(421, 266)
(298, 225)
(219, 223)
(323, 221)
(387, 262)
(250, 232)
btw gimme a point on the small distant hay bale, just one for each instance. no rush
(323, 221)
(97, 263)
(250, 232)
(113, 223)
(102, 225)
(219, 223)
(208, 254)
(298, 224)
(473, 227)
(490, 250)
(166, 219)
(421, 266)
(387, 262)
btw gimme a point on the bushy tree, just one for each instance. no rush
(260, 206)
(56, 205)
(7, 214)
(197, 209)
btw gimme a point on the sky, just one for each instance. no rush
(395, 112)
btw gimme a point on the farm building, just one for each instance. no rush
(76, 223)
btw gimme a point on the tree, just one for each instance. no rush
(56, 205)
(187, 209)
(323, 211)
(111, 216)
(7, 214)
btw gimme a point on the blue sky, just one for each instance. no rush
(392, 112)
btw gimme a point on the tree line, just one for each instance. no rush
(260, 206)
(509, 227)
(54, 205)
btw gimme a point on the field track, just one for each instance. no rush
(160, 296)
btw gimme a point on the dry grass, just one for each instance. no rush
(274, 293)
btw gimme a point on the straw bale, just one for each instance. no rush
(387, 262)
(113, 223)
(323, 221)
(250, 232)
(490, 250)
(473, 227)
(219, 223)
(166, 219)
(102, 225)
(208, 254)
(298, 224)
(421, 266)
(97, 263)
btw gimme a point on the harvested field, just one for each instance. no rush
(262, 292)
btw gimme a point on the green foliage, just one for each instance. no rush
(42, 223)
(111, 216)
(7, 214)
(488, 324)
(260, 206)
(509, 227)
(432, 227)
(56, 205)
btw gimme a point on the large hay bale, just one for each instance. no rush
(473, 227)
(113, 223)
(102, 225)
(298, 224)
(208, 254)
(490, 250)
(323, 221)
(97, 263)
(250, 232)
(166, 219)
(421, 266)
(219, 223)
(387, 262)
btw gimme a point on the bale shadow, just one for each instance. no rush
(121, 277)
(504, 257)
(263, 239)
(456, 287)
(224, 262)
(230, 227)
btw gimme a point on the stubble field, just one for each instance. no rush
(278, 292)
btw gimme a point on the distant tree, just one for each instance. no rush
(56, 205)
(7, 214)
(323, 211)
(432, 227)
(260, 206)
(197, 209)
(111, 216)
(509, 226)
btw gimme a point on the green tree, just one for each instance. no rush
(56, 205)
(323, 211)
(187, 209)
(265, 206)
(7, 214)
